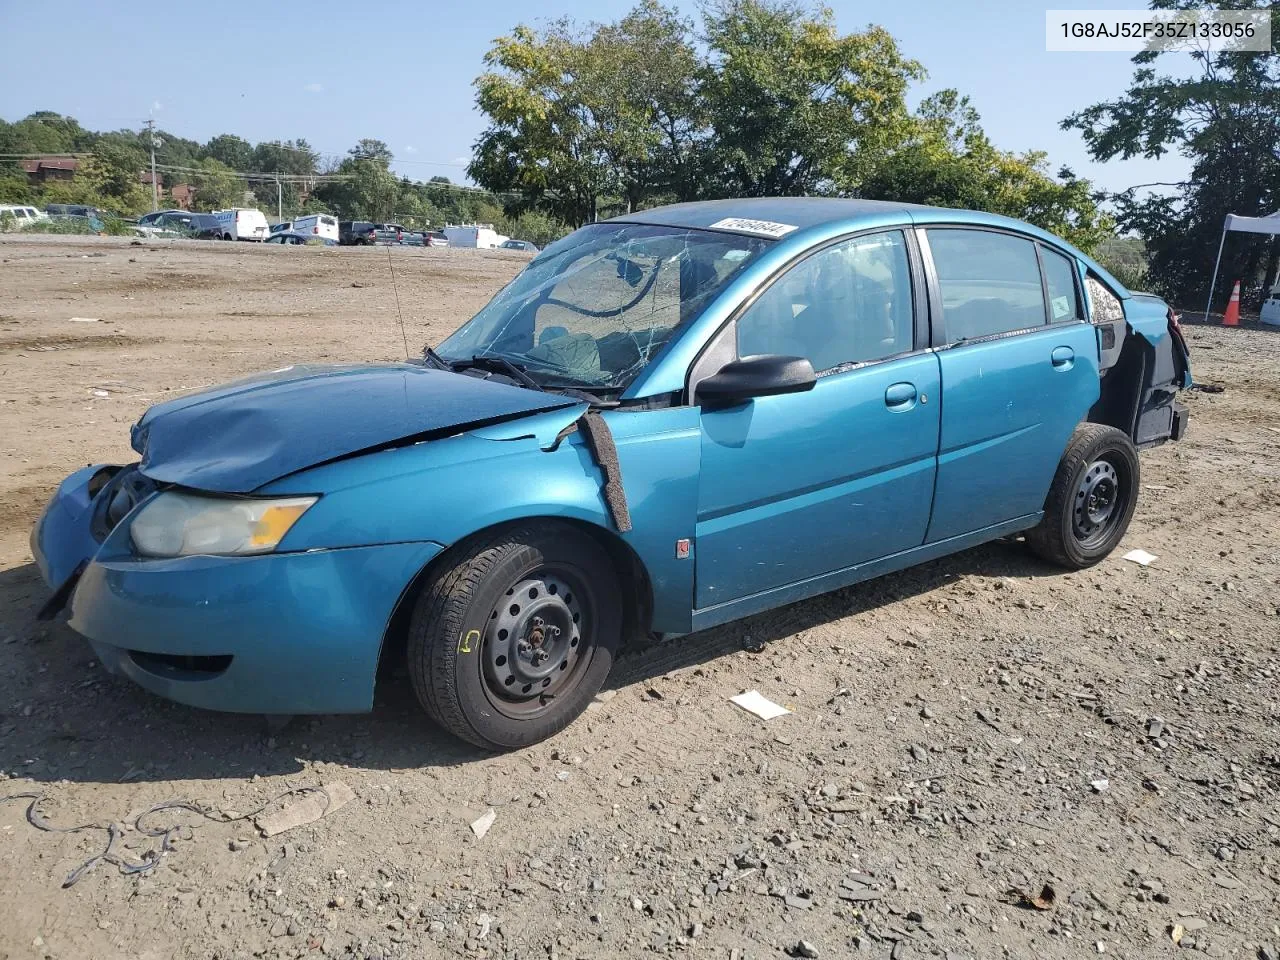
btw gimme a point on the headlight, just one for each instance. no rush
(183, 524)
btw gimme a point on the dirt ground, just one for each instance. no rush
(977, 725)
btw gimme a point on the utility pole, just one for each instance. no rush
(155, 187)
(279, 200)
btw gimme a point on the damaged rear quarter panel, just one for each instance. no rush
(445, 490)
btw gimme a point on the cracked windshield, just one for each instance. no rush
(596, 307)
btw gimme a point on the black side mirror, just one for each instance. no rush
(766, 375)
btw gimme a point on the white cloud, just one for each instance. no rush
(314, 88)
(462, 160)
(156, 105)
(410, 149)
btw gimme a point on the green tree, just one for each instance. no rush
(367, 188)
(217, 187)
(947, 160)
(369, 149)
(540, 141)
(45, 132)
(795, 107)
(639, 82)
(1224, 117)
(235, 152)
(114, 171)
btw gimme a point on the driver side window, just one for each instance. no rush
(850, 303)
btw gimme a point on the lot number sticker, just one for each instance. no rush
(765, 228)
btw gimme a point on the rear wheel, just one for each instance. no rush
(1092, 499)
(510, 642)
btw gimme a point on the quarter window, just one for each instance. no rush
(1103, 305)
(990, 283)
(850, 303)
(1060, 283)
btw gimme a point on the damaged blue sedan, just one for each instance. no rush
(665, 422)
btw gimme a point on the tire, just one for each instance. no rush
(546, 584)
(226, 236)
(1091, 500)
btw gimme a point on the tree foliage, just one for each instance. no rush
(794, 106)
(1225, 118)
(948, 161)
(771, 99)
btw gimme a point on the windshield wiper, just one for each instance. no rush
(497, 364)
(435, 358)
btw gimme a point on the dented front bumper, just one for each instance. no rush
(276, 633)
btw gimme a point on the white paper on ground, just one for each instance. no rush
(83, 319)
(481, 826)
(1140, 557)
(762, 707)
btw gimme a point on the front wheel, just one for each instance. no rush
(1091, 500)
(509, 643)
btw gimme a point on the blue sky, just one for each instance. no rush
(401, 71)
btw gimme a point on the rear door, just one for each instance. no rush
(796, 486)
(1019, 372)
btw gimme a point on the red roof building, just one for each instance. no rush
(46, 169)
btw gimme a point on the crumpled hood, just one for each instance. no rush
(237, 437)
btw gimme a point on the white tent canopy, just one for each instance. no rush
(1270, 224)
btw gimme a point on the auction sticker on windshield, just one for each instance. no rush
(765, 228)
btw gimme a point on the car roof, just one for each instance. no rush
(800, 213)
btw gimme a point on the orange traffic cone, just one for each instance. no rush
(1232, 317)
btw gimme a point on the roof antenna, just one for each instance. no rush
(403, 336)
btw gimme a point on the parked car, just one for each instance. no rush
(353, 233)
(75, 210)
(391, 233)
(434, 238)
(524, 245)
(180, 224)
(284, 226)
(318, 225)
(147, 219)
(243, 223)
(300, 239)
(667, 421)
(82, 216)
(20, 216)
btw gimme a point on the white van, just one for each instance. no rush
(243, 223)
(317, 225)
(481, 235)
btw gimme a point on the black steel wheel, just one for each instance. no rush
(1091, 500)
(511, 639)
(534, 643)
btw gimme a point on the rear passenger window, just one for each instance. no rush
(850, 303)
(1060, 282)
(990, 283)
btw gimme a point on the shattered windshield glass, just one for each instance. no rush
(594, 308)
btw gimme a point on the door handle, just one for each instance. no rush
(1063, 358)
(900, 396)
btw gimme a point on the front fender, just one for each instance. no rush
(61, 540)
(446, 490)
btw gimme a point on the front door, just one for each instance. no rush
(1019, 372)
(799, 485)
